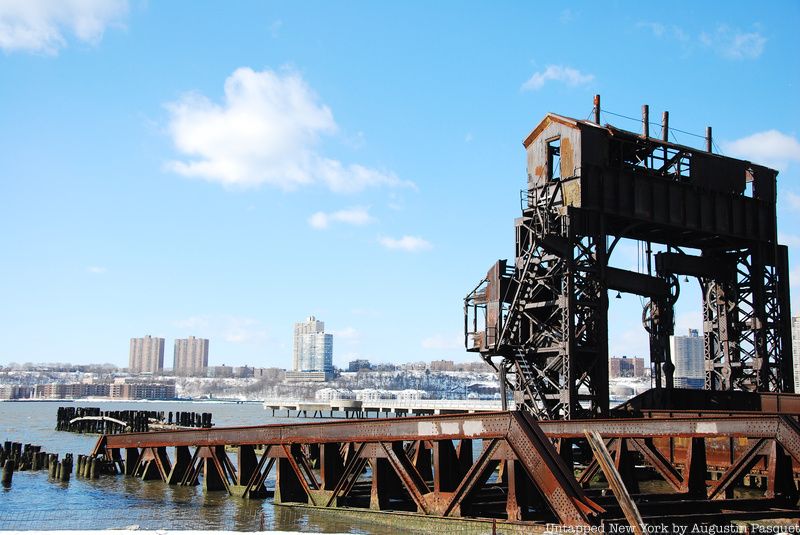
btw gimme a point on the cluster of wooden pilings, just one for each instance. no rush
(18, 457)
(60, 471)
(91, 467)
(15, 456)
(94, 420)
(190, 419)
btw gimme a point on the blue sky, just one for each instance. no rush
(227, 169)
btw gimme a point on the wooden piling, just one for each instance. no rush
(8, 473)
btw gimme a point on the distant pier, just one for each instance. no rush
(381, 408)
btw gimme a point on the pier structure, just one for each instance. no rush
(668, 457)
(501, 466)
(352, 408)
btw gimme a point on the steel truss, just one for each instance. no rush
(487, 466)
(543, 322)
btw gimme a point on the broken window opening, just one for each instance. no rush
(554, 159)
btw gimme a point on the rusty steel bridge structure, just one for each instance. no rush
(543, 320)
(729, 452)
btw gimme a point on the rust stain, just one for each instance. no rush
(567, 158)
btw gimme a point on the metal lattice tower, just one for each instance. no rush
(543, 321)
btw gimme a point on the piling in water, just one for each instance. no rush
(8, 473)
(93, 468)
(65, 470)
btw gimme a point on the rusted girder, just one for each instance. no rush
(393, 448)
(426, 464)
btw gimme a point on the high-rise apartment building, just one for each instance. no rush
(796, 351)
(625, 367)
(313, 349)
(146, 355)
(191, 356)
(688, 356)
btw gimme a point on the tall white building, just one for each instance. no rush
(313, 349)
(687, 354)
(191, 356)
(146, 355)
(796, 351)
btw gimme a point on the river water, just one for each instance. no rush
(35, 503)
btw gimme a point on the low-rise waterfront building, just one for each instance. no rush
(333, 394)
(16, 392)
(132, 389)
(411, 395)
(372, 394)
(72, 390)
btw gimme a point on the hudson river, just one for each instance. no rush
(35, 503)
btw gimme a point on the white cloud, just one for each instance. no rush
(266, 131)
(42, 25)
(351, 216)
(406, 243)
(558, 73)
(732, 43)
(97, 270)
(444, 342)
(772, 148)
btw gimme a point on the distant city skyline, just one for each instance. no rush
(370, 185)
